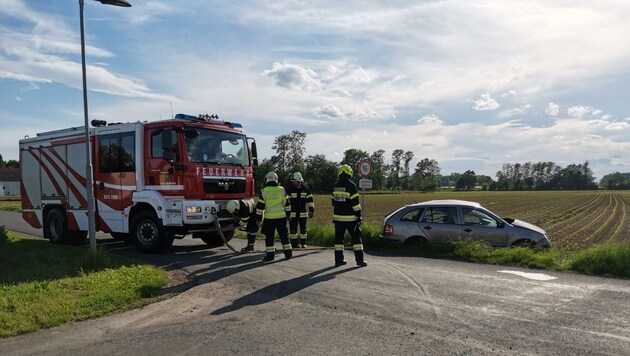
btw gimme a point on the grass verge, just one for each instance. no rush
(605, 260)
(43, 285)
(11, 205)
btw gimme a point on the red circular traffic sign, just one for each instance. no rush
(365, 168)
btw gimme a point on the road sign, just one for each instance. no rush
(365, 168)
(365, 183)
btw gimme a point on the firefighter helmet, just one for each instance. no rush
(297, 176)
(345, 169)
(271, 177)
(233, 206)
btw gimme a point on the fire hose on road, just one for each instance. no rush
(217, 225)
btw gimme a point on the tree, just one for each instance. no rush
(577, 176)
(320, 174)
(426, 175)
(264, 167)
(281, 145)
(466, 181)
(351, 157)
(2, 164)
(12, 164)
(616, 181)
(484, 181)
(393, 181)
(289, 151)
(407, 157)
(377, 160)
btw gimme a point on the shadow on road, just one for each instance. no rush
(282, 289)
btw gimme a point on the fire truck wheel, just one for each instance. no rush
(148, 233)
(213, 239)
(55, 226)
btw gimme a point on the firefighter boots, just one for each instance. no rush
(303, 243)
(288, 254)
(269, 257)
(358, 256)
(339, 261)
(294, 242)
(248, 248)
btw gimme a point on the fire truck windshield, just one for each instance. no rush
(218, 147)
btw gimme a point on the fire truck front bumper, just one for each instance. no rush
(202, 212)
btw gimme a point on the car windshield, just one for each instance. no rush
(218, 147)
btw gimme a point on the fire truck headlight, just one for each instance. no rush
(193, 209)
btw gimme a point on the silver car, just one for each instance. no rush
(449, 220)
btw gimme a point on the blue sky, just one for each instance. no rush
(471, 84)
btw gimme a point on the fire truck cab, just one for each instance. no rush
(153, 182)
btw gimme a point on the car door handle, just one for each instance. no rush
(468, 229)
(427, 227)
(101, 185)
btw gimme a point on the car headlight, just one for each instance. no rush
(193, 209)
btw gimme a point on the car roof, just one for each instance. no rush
(447, 202)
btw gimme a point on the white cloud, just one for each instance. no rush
(581, 111)
(521, 110)
(552, 109)
(617, 126)
(485, 103)
(430, 120)
(293, 77)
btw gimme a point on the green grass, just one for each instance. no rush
(44, 285)
(11, 205)
(607, 260)
(611, 259)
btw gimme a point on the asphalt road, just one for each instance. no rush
(395, 306)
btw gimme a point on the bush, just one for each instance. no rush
(609, 259)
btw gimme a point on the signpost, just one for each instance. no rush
(365, 171)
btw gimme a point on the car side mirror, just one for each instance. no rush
(501, 225)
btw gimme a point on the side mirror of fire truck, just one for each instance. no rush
(254, 152)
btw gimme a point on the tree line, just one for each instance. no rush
(320, 174)
(9, 164)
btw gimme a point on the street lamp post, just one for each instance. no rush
(89, 180)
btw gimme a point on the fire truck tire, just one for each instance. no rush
(148, 233)
(213, 239)
(55, 226)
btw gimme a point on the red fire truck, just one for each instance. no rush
(153, 181)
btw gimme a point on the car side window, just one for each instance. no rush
(478, 218)
(412, 215)
(440, 215)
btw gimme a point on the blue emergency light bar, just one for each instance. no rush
(208, 118)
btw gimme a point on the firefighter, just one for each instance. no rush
(273, 205)
(300, 197)
(245, 211)
(347, 216)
